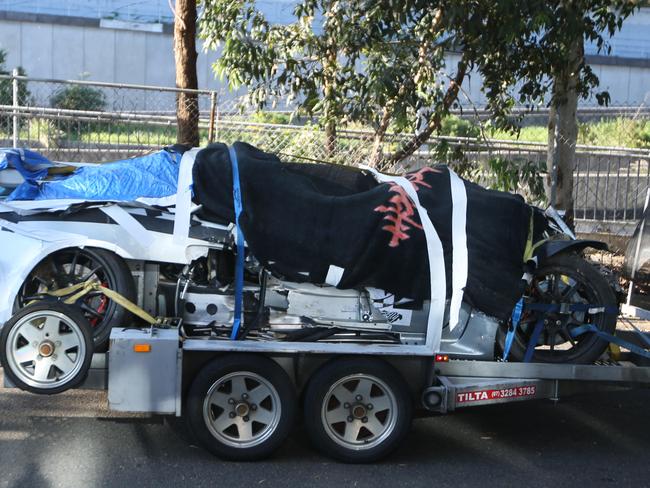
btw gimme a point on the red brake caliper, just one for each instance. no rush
(103, 305)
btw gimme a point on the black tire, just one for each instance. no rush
(335, 379)
(72, 324)
(218, 377)
(589, 286)
(113, 272)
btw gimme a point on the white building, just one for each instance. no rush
(105, 40)
(131, 42)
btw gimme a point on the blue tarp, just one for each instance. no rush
(29, 164)
(151, 176)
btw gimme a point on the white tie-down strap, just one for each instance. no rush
(436, 257)
(459, 268)
(184, 197)
(130, 224)
(29, 207)
(334, 275)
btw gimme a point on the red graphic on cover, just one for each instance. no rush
(401, 211)
(417, 178)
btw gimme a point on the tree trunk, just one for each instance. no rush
(380, 133)
(330, 139)
(187, 104)
(330, 116)
(563, 135)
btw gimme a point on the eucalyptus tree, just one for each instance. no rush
(385, 64)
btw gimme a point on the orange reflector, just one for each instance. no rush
(142, 348)
(442, 358)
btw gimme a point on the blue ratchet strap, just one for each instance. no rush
(561, 308)
(516, 317)
(583, 329)
(580, 330)
(574, 307)
(239, 263)
(533, 340)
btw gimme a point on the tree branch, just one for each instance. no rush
(380, 133)
(425, 47)
(423, 62)
(435, 123)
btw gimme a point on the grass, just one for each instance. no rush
(61, 133)
(529, 134)
(621, 132)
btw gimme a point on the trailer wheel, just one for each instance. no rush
(46, 348)
(357, 410)
(241, 407)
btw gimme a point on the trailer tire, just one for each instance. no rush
(367, 396)
(46, 348)
(241, 407)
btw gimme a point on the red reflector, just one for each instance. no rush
(441, 358)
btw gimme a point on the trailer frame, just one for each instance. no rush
(448, 385)
(151, 369)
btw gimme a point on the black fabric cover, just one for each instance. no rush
(299, 218)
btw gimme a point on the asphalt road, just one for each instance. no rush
(71, 440)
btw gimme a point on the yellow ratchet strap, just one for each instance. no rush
(530, 247)
(79, 290)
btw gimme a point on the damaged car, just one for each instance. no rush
(239, 245)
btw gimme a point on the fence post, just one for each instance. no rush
(14, 85)
(213, 110)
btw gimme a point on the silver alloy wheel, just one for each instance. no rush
(242, 409)
(45, 349)
(359, 411)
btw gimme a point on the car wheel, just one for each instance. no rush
(565, 279)
(357, 410)
(68, 267)
(46, 348)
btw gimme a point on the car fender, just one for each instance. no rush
(23, 248)
(554, 247)
(20, 252)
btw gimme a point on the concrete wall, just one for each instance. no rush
(50, 50)
(628, 85)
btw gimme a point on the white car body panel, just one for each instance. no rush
(25, 243)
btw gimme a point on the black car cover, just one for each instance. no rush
(299, 219)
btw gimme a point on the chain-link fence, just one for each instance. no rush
(91, 121)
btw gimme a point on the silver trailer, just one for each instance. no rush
(240, 398)
(155, 370)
